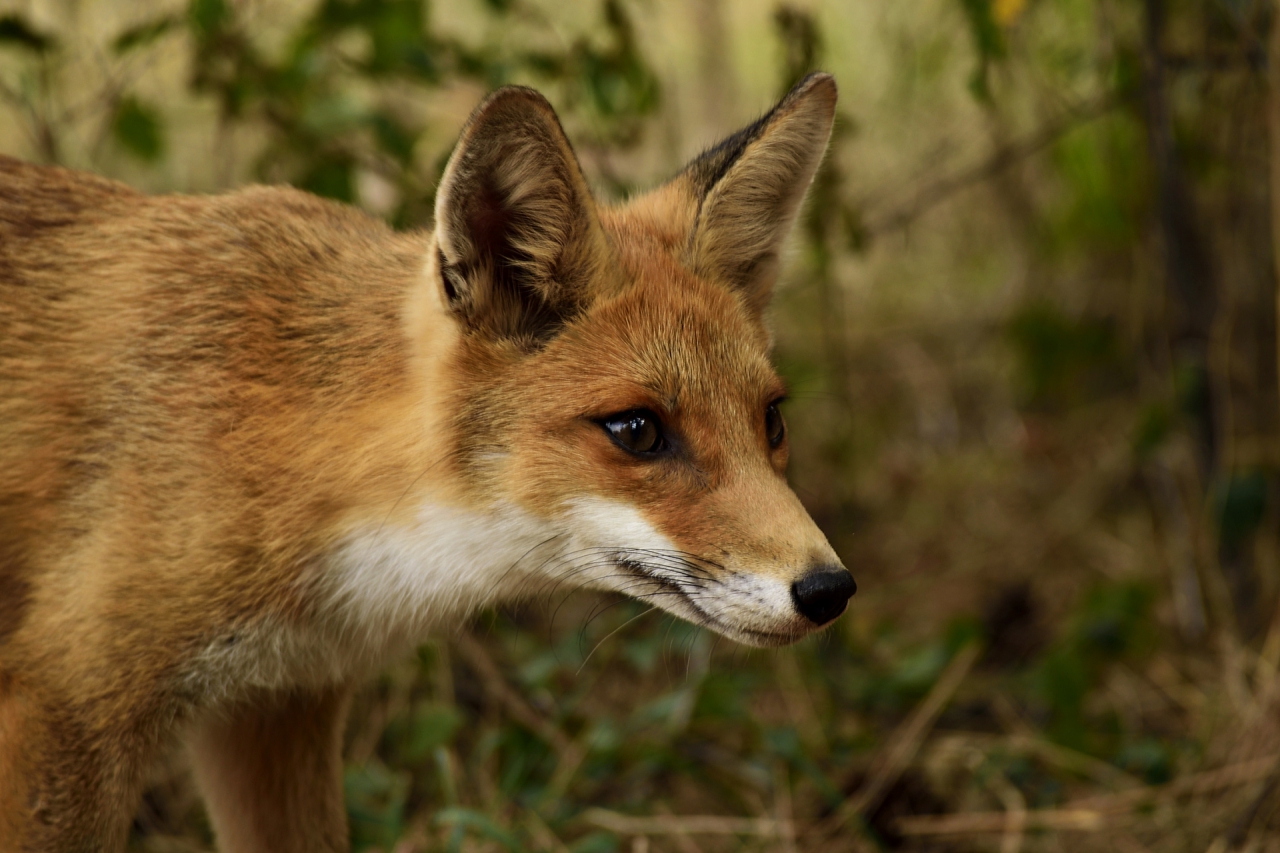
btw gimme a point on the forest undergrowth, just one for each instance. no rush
(1029, 327)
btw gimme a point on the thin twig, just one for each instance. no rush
(514, 704)
(1198, 783)
(1015, 805)
(1000, 823)
(687, 824)
(571, 759)
(783, 809)
(938, 191)
(1089, 814)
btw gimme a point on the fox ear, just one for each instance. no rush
(519, 240)
(748, 189)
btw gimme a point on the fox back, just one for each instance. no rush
(253, 445)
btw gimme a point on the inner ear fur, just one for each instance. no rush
(520, 243)
(748, 190)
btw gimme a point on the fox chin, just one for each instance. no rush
(254, 445)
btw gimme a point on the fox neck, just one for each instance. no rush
(388, 587)
(420, 560)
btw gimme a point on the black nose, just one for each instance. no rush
(821, 595)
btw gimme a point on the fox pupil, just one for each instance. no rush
(637, 431)
(775, 428)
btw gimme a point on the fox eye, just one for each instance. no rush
(775, 428)
(638, 431)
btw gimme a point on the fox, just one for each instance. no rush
(254, 445)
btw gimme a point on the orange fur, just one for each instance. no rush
(251, 445)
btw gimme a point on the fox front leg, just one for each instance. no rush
(70, 775)
(271, 773)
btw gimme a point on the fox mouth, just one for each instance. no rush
(693, 612)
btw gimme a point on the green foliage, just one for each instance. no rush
(415, 739)
(14, 30)
(1111, 624)
(1147, 758)
(988, 44)
(138, 129)
(1155, 424)
(596, 842)
(324, 129)
(1063, 360)
(331, 177)
(618, 82)
(1102, 171)
(376, 798)
(144, 34)
(470, 820)
(801, 41)
(1240, 505)
(207, 17)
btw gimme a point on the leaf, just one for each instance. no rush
(596, 842)
(481, 823)
(376, 800)
(15, 30)
(984, 29)
(396, 32)
(136, 126)
(1155, 424)
(143, 34)
(393, 137)
(1241, 505)
(332, 177)
(988, 41)
(207, 16)
(1149, 758)
(431, 727)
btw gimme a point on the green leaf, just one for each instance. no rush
(333, 177)
(15, 30)
(596, 842)
(1113, 620)
(208, 16)
(396, 32)
(1155, 424)
(984, 29)
(143, 34)
(1240, 503)
(329, 115)
(431, 727)
(1149, 758)
(1062, 358)
(376, 800)
(987, 40)
(481, 823)
(136, 127)
(393, 137)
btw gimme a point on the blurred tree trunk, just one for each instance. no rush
(1273, 122)
(1191, 278)
(1188, 267)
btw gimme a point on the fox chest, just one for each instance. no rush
(377, 595)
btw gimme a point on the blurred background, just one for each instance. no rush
(1029, 322)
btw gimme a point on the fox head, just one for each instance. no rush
(610, 376)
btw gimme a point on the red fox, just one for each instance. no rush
(253, 445)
